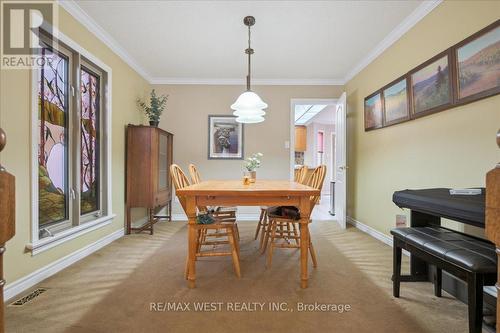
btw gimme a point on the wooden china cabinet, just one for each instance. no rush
(149, 156)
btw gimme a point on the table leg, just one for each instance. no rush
(304, 248)
(305, 211)
(192, 241)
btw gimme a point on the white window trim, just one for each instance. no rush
(40, 245)
(67, 235)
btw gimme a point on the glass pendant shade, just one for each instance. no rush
(250, 119)
(249, 104)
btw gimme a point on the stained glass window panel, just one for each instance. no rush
(89, 178)
(52, 139)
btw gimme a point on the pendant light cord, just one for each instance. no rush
(249, 51)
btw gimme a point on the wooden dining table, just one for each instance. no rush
(235, 193)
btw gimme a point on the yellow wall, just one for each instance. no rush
(15, 119)
(187, 113)
(454, 148)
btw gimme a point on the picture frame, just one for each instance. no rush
(396, 101)
(225, 138)
(373, 107)
(477, 70)
(431, 85)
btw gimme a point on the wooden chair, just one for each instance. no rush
(195, 175)
(284, 226)
(228, 214)
(299, 177)
(224, 226)
(301, 174)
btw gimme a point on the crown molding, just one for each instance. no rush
(419, 13)
(255, 82)
(88, 22)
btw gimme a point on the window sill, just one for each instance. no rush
(49, 242)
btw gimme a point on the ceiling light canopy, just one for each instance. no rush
(249, 107)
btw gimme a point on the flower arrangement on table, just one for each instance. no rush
(251, 164)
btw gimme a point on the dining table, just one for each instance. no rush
(212, 193)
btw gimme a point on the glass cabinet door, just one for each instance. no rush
(163, 162)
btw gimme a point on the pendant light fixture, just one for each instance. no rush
(249, 107)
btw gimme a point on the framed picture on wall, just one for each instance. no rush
(431, 86)
(396, 106)
(373, 111)
(478, 65)
(225, 138)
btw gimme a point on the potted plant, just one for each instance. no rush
(155, 108)
(252, 164)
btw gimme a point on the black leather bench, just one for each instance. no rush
(466, 257)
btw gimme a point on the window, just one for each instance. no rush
(53, 139)
(89, 142)
(70, 180)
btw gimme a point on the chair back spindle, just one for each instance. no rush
(316, 181)
(180, 181)
(300, 175)
(195, 175)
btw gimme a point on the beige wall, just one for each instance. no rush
(187, 113)
(454, 148)
(15, 119)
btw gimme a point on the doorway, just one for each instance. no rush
(312, 129)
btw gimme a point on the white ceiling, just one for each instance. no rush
(305, 114)
(326, 116)
(196, 41)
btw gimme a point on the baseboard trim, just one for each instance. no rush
(239, 217)
(373, 232)
(370, 231)
(17, 287)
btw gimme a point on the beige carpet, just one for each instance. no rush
(111, 290)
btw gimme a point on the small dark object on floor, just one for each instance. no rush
(205, 219)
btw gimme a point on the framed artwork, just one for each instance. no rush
(373, 111)
(396, 106)
(225, 138)
(431, 86)
(478, 65)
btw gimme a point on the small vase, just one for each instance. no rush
(253, 176)
(154, 123)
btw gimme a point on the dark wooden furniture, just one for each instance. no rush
(149, 156)
(467, 258)
(493, 216)
(7, 220)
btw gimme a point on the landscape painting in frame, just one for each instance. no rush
(478, 64)
(396, 103)
(225, 138)
(431, 86)
(373, 112)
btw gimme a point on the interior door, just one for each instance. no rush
(340, 162)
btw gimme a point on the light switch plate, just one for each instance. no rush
(287, 144)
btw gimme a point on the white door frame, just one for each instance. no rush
(341, 161)
(300, 101)
(333, 162)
